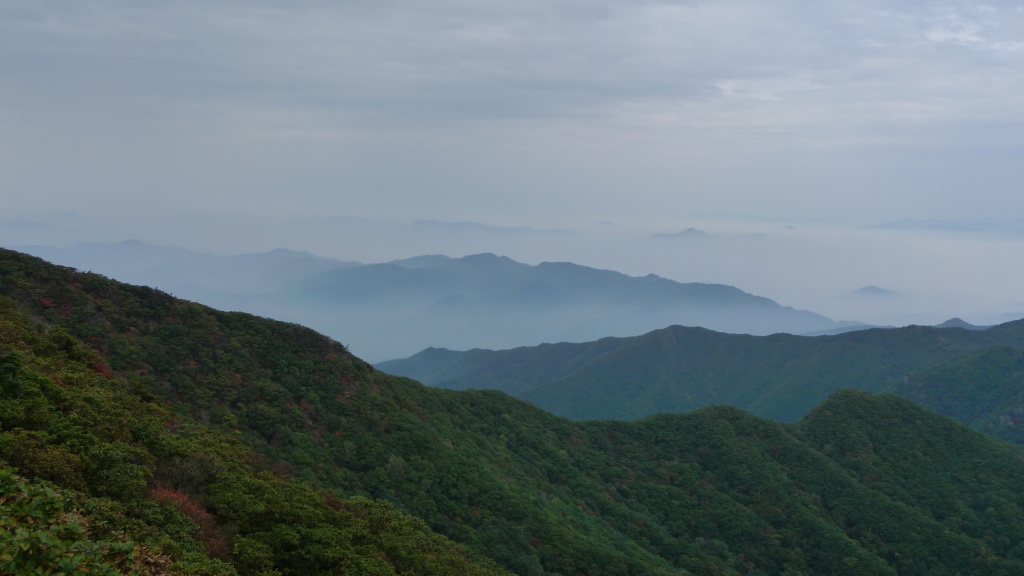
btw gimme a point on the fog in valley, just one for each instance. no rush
(893, 275)
(860, 161)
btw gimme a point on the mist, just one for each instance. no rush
(918, 273)
(786, 136)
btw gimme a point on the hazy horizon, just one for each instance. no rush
(927, 275)
(572, 131)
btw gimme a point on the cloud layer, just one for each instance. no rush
(651, 115)
(773, 105)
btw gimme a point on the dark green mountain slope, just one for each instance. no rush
(113, 481)
(717, 491)
(984, 390)
(679, 369)
(924, 463)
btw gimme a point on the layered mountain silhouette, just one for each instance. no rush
(192, 275)
(984, 389)
(678, 369)
(397, 308)
(140, 431)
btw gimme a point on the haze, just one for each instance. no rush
(786, 132)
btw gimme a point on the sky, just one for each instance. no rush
(784, 129)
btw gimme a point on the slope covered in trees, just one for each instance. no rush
(252, 446)
(678, 369)
(115, 479)
(984, 390)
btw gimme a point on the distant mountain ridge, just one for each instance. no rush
(486, 300)
(397, 308)
(176, 269)
(984, 389)
(679, 369)
(873, 292)
(689, 233)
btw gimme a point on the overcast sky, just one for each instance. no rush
(517, 112)
(543, 113)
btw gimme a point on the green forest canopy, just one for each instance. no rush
(157, 435)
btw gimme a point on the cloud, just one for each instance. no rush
(467, 60)
(735, 102)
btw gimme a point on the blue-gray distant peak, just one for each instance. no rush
(487, 259)
(425, 261)
(396, 308)
(960, 323)
(689, 233)
(487, 300)
(874, 292)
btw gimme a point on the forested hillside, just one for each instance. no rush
(678, 369)
(984, 390)
(209, 442)
(110, 478)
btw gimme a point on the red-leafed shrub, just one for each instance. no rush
(99, 366)
(209, 533)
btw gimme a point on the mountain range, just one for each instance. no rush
(391, 310)
(149, 434)
(679, 369)
(192, 274)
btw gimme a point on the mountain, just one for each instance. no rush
(984, 390)
(492, 301)
(190, 274)
(873, 293)
(101, 472)
(689, 234)
(55, 227)
(844, 327)
(960, 323)
(151, 431)
(678, 369)
(406, 305)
